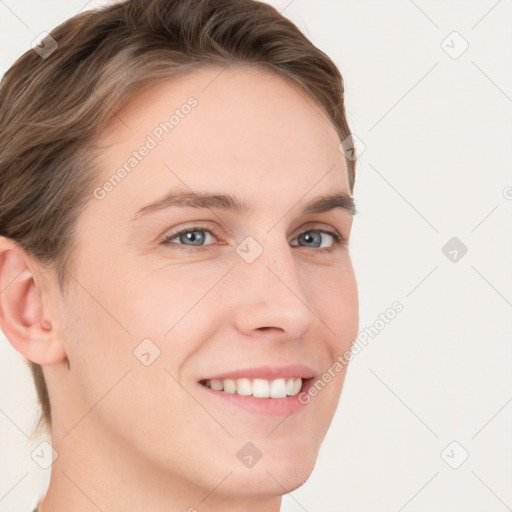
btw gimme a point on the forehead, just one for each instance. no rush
(235, 127)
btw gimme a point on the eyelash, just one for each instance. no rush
(338, 239)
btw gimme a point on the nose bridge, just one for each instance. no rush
(269, 287)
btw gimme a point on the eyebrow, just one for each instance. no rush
(217, 201)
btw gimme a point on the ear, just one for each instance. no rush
(28, 325)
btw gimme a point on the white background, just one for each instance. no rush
(437, 164)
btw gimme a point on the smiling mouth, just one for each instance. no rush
(258, 388)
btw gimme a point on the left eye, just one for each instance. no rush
(316, 235)
(196, 237)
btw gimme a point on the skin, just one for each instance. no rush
(136, 437)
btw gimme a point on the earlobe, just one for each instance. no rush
(23, 319)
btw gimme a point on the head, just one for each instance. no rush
(121, 315)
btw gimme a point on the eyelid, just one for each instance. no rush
(339, 239)
(198, 226)
(194, 226)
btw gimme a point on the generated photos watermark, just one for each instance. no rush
(156, 136)
(360, 342)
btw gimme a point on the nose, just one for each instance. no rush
(269, 300)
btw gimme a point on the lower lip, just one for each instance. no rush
(265, 406)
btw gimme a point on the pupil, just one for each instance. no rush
(310, 238)
(192, 237)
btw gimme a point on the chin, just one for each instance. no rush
(274, 475)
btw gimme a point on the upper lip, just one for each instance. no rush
(266, 372)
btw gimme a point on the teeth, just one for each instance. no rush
(216, 384)
(278, 388)
(243, 387)
(290, 386)
(260, 388)
(296, 388)
(229, 386)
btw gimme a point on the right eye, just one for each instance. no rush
(193, 234)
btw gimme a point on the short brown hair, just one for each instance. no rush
(53, 106)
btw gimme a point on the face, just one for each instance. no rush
(170, 299)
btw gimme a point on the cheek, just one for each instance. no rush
(334, 296)
(100, 318)
(161, 300)
(98, 344)
(121, 376)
